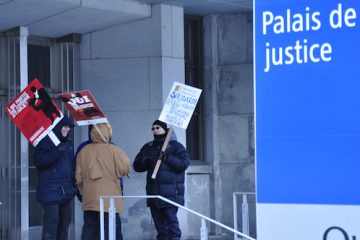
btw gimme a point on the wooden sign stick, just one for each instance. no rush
(164, 146)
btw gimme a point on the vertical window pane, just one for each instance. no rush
(193, 44)
(39, 64)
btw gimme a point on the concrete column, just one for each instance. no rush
(173, 69)
(130, 69)
(24, 145)
(212, 115)
(228, 108)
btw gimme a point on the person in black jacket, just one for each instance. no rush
(169, 182)
(56, 181)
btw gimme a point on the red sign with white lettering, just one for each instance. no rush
(34, 112)
(83, 108)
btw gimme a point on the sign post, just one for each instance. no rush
(177, 111)
(163, 149)
(307, 117)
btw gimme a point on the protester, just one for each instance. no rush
(169, 182)
(99, 167)
(56, 181)
(81, 146)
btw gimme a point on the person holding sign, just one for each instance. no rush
(56, 187)
(99, 167)
(169, 181)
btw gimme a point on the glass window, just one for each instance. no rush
(39, 64)
(193, 43)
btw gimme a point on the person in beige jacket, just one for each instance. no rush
(99, 166)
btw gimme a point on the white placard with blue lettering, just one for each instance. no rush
(180, 105)
(307, 119)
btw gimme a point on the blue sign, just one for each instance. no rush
(307, 101)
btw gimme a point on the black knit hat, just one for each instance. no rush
(161, 124)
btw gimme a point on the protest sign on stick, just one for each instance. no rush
(83, 108)
(177, 111)
(34, 113)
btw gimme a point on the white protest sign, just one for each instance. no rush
(177, 111)
(180, 105)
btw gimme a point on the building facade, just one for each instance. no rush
(128, 54)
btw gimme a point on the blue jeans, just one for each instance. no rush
(166, 223)
(56, 221)
(91, 228)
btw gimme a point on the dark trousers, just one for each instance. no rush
(166, 223)
(56, 221)
(91, 228)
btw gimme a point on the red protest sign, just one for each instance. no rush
(83, 108)
(34, 112)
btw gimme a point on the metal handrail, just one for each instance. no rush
(112, 217)
(245, 212)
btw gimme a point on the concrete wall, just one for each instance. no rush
(130, 69)
(228, 94)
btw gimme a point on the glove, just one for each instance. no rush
(163, 156)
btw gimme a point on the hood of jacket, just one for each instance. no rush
(101, 133)
(65, 121)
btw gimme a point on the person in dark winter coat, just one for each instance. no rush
(169, 182)
(56, 185)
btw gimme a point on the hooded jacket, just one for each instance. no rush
(81, 146)
(169, 182)
(55, 167)
(98, 169)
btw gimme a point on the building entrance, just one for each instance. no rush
(22, 58)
